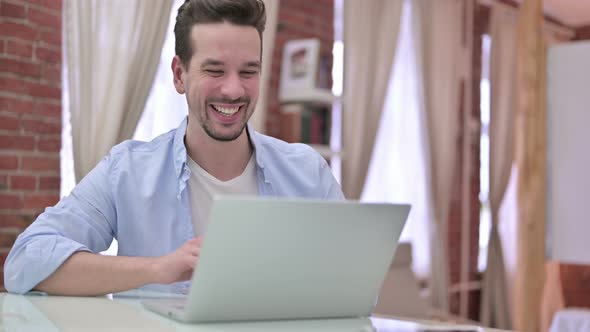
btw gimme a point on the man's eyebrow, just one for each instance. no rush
(253, 64)
(211, 62)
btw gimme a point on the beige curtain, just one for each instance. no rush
(370, 38)
(258, 119)
(112, 52)
(495, 309)
(439, 48)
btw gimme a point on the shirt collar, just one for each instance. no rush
(179, 148)
(257, 144)
(180, 162)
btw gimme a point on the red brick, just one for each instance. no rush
(16, 105)
(45, 19)
(52, 75)
(17, 142)
(582, 33)
(2, 47)
(18, 220)
(17, 30)
(52, 37)
(45, 91)
(47, 4)
(35, 201)
(37, 163)
(3, 256)
(50, 183)
(23, 182)
(10, 201)
(8, 123)
(19, 67)
(12, 10)
(9, 84)
(574, 282)
(7, 239)
(8, 162)
(574, 276)
(292, 19)
(41, 127)
(20, 48)
(3, 183)
(48, 109)
(22, 87)
(19, 86)
(48, 55)
(49, 144)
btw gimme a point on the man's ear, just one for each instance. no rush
(178, 71)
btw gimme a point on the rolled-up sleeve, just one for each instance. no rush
(83, 221)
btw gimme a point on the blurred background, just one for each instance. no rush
(473, 111)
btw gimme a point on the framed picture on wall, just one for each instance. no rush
(299, 67)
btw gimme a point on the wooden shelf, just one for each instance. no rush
(308, 96)
(297, 103)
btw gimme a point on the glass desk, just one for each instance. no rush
(124, 312)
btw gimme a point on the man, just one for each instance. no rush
(154, 197)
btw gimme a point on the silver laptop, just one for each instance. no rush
(276, 258)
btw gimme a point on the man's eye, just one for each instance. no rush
(249, 73)
(214, 72)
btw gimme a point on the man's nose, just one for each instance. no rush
(232, 88)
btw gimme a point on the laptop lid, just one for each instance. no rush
(273, 258)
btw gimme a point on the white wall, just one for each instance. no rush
(568, 144)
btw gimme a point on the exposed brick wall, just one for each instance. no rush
(480, 27)
(481, 16)
(30, 113)
(575, 283)
(298, 19)
(582, 33)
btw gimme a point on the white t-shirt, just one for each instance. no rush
(204, 186)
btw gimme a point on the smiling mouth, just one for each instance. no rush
(225, 110)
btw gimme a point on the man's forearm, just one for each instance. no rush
(88, 274)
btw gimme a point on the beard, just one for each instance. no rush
(209, 129)
(221, 137)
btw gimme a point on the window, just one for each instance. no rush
(337, 87)
(485, 214)
(165, 108)
(163, 111)
(398, 165)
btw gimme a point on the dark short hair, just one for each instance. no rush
(239, 12)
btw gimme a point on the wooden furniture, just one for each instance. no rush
(400, 294)
(566, 286)
(309, 121)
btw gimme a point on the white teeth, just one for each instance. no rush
(226, 110)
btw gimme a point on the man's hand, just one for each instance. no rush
(180, 264)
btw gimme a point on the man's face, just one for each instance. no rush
(221, 81)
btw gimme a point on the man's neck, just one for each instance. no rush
(223, 160)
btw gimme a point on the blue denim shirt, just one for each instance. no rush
(138, 195)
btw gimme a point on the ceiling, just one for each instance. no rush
(573, 13)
